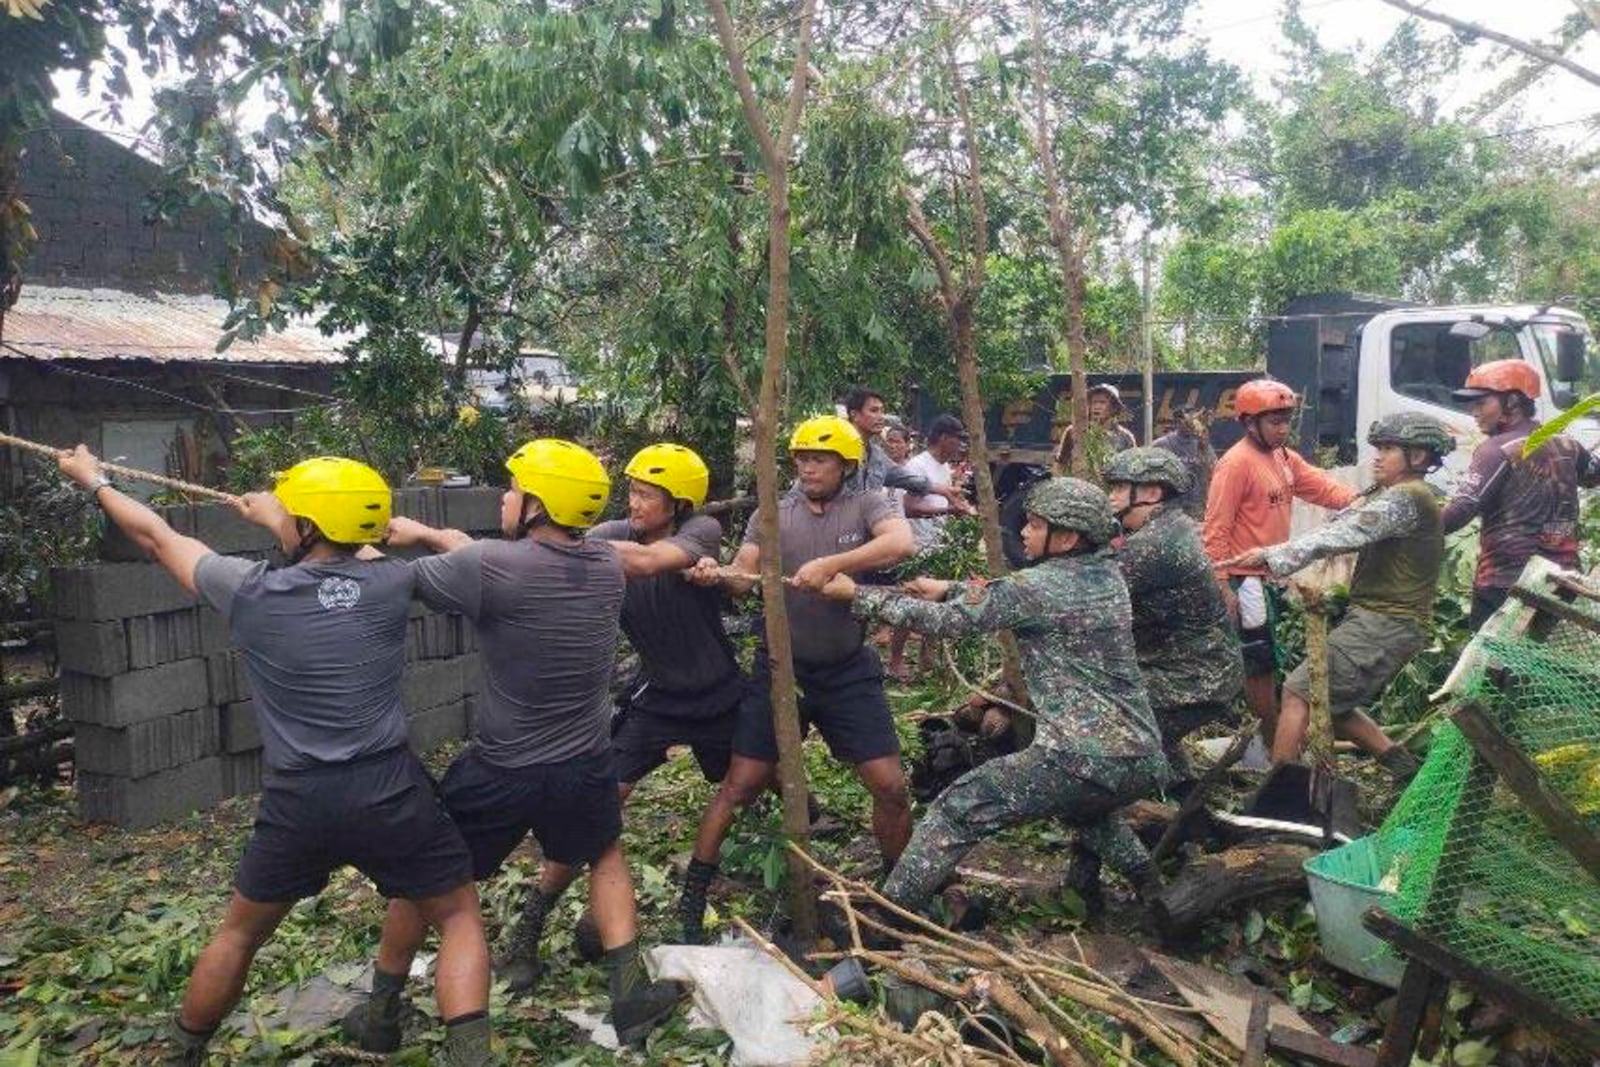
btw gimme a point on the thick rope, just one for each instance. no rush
(124, 472)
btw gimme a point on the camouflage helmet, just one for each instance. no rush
(1148, 466)
(1074, 504)
(1412, 429)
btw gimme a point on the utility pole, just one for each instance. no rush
(1147, 341)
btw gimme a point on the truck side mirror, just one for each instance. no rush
(1572, 353)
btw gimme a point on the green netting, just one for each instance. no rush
(1477, 872)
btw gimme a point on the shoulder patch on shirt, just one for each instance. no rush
(339, 594)
(977, 589)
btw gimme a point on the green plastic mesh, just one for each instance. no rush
(1478, 873)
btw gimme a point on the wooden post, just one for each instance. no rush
(1147, 343)
(775, 152)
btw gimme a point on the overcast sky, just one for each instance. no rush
(1245, 32)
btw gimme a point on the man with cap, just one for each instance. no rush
(1529, 506)
(1188, 652)
(545, 602)
(1106, 436)
(1399, 544)
(1096, 748)
(1253, 490)
(827, 529)
(323, 645)
(1190, 440)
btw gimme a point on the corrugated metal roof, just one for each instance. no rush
(107, 324)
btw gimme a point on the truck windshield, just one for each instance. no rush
(1544, 337)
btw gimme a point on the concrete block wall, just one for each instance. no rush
(164, 719)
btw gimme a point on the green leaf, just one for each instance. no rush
(1254, 927)
(1577, 411)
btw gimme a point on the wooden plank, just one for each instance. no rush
(1522, 777)
(1560, 609)
(1318, 1049)
(1255, 1031)
(1426, 952)
(1417, 988)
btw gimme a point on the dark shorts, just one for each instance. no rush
(656, 721)
(571, 808)
(379, 814)
(845, 701)
(1258, 645)
(1365, 651)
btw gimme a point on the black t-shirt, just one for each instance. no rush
(675, 627)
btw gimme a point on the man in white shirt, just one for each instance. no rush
(947, 444)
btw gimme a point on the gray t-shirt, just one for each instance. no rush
(675, 627)
(823, 631)
(324, 647)
(547, 626)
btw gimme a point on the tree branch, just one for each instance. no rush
(1473, 29)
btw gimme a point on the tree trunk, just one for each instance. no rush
(1212, 883)
(785, 707)
(1064, 241)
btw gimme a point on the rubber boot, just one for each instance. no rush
(466, 1041)
(519, 966)
(1083, 878)
(586, 939)
(692, 904)
(185, 1047)
(374, 1025)
(1401, 765)
(639, 1005)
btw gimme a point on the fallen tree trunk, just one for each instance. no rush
(40, 738)
(1213, 883)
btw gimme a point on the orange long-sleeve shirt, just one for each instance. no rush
(1251, 495)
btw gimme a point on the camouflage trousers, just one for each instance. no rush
(1036, 783)
(1179, 722)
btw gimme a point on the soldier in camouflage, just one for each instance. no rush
(1188, 652)
(1096, 747)
(1398, 535)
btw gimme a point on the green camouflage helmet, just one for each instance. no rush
(1148, 466)
(1074, 504)
(1412, 429)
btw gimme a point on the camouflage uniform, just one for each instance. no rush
(1096, 747)
(1188, 652)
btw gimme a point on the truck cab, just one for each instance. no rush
(1356, 359)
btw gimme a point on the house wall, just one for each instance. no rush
(55, 402)
(89, 195)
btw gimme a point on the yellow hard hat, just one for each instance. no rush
(568, 479)
(678, 470)
(828, 433)
(348, 501)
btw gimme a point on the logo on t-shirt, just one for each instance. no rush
(339, 594)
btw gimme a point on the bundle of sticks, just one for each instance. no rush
(1068, 1011)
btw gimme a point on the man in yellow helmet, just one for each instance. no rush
(545, 602)
(341, 786)
(827, 529)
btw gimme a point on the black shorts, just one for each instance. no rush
(1258, 645)
(656, 721)
(571, 808)
(845, 701)
(378, 814)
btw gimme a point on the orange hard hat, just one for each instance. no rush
(1263, 395)
(1500, 376)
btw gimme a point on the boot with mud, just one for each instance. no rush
(375, 1024)
(1083, 878)
(586, 939)
(466, 1041)
(692, 903)
(639, 1005)
(185, 1047)
(519, 966)
(1401, 765)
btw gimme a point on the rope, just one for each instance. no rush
(124, 472)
